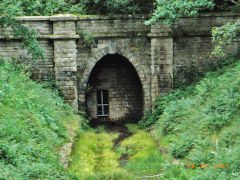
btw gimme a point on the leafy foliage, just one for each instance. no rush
(43, 7)
(169, 11)
(183, 90)
(86, 40)
(151, 116)
(26, 34)
(181, 148)
(202, 125)
(224, 37)
(33, 124)
(112, 6)
(30, 7)
(10, 9)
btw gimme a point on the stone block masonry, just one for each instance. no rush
(156, 53)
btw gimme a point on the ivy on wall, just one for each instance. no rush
(86, 40)
(9, 9)
(224, 37)
(27, 35)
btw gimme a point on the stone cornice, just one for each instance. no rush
(33, 18)
(70, 17)
(54, 37)
(63, 17)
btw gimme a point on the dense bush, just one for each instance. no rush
(182, 90)
(203, 125)
(119, 6)
(180, 149)
(33, 124)
(224, 37)
(43, 7)
(30, 7)
(169, 11)
(151, 116)
(212, 104)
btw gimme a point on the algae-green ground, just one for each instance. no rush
(95, 156)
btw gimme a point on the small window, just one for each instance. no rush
(102, 103)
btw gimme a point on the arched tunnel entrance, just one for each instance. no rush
(114, 91)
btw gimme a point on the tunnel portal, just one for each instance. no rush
(114, 91)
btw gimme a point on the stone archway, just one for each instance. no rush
(114, 91)
(98, 55)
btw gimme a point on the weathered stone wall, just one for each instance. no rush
(158, 53)
(41, 71)
(193, 43)
(126, 36)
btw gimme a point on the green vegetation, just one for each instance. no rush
(224, 37)
(86, 40)
(94, 155)
(143, 153)
(195, 125)
(34, 124)
(200, 125)
(50, 7)
(169, 11)
(27, 35)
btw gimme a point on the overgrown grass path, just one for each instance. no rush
(115, 152)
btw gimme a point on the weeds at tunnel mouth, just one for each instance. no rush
(123, 152)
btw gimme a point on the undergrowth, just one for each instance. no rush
(143, 153)
(33, 126)
(183, 90)
(95, 157)
(198, 125)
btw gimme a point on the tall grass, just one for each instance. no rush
(203, 125)
(93, 157)
(144, 155)
(33, 126)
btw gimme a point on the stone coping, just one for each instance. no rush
(70, 17)
(64, 17)
(51, 36)
(33, 18)
(113, 17)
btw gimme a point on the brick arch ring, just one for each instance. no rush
(126, 54)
